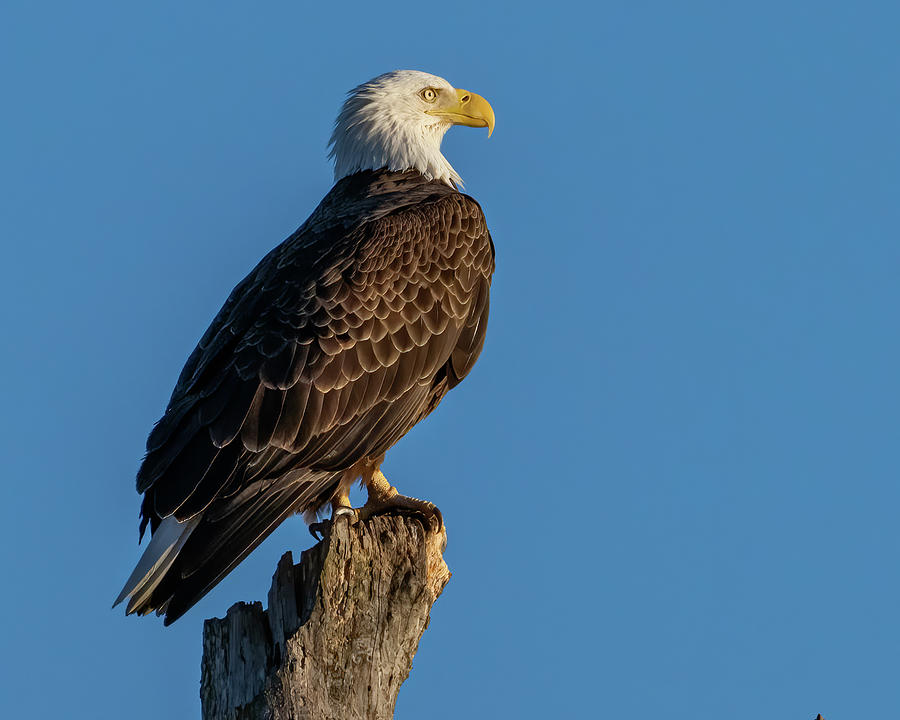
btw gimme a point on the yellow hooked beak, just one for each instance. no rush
(469, 109)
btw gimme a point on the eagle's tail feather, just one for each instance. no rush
(185, 560)
(164, 546)
(220, 544)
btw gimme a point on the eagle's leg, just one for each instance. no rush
(340, 505)
(383, 497)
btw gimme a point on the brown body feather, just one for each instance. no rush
(335, 346)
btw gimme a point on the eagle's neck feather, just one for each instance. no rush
(372, 132)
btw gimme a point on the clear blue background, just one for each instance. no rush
(671, 481)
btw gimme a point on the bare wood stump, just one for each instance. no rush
(340, 633)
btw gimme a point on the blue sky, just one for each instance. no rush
(670, 483)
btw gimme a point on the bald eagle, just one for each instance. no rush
(342, 339)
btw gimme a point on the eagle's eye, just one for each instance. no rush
(429, 94)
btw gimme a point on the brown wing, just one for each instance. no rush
(330, 351)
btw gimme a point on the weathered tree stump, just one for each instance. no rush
(340, 633)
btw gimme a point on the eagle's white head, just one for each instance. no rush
(397, 121)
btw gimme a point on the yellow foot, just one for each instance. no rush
(319, 530)
(403, 504)
(384, 498)
(340, 506)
